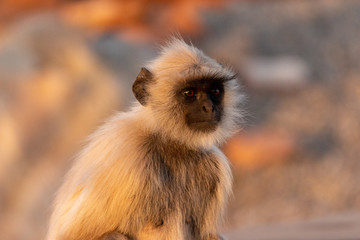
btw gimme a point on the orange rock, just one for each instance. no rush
(258, 148)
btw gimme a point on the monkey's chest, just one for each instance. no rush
(184, 185)
(180, 180)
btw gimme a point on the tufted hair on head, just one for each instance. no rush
(179, 63)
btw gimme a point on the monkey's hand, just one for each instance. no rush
(115, 236)
(214, 237)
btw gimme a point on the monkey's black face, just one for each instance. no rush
(202, 103)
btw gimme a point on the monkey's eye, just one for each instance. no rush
(189, 93)
(215, 92)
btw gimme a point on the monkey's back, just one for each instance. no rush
(99, 192)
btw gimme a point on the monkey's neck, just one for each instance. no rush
(173, 132)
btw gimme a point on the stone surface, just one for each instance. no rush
(344, 226)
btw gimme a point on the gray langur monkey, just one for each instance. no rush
(155, 172)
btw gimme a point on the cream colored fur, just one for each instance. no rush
(99, 194)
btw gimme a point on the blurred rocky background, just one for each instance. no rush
(65, 66)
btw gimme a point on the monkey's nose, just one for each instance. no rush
(208, 108)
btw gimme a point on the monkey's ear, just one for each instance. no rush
(140, 85)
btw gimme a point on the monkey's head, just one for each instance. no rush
(188, 96)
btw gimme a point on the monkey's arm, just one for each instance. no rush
(214, 212)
